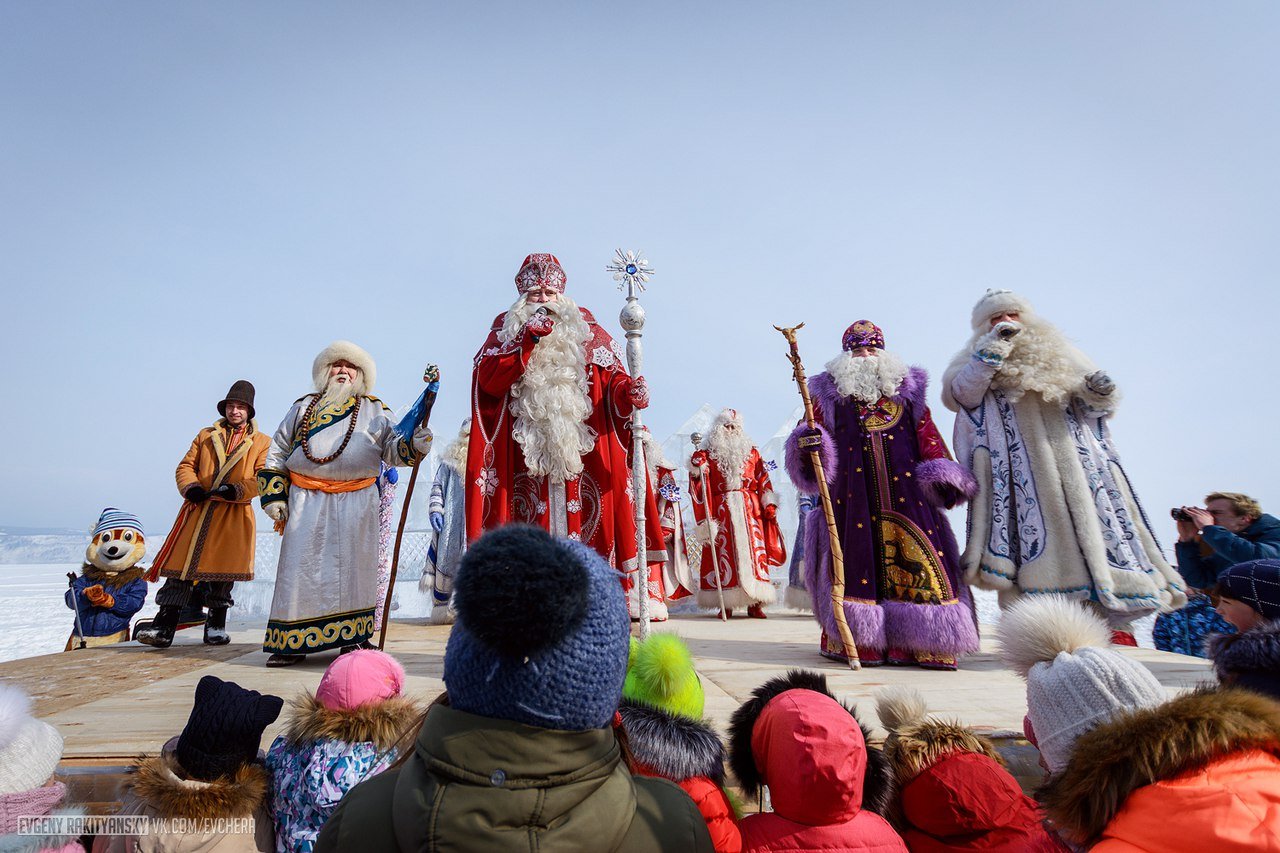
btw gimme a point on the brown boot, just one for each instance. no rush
(756, 611)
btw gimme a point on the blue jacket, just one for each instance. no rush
(1258, 541)
(104, 621)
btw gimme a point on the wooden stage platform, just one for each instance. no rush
(115, 703)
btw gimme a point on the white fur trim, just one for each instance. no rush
(734, 597)
(1036, 629)
(757, 590)
(343, 351)
(797, 598)
(995, 302)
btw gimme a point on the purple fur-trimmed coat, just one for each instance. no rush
(890, 477)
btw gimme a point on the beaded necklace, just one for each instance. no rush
(306, 424)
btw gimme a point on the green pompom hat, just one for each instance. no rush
(660, 673)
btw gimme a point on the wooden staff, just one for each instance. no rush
(431, 376)
(704, 475)
(814, 444)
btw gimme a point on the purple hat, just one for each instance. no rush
(863, 333)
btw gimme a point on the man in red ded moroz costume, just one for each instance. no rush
(550, 403)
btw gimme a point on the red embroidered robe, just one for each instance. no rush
(748, 540)
(597, 507)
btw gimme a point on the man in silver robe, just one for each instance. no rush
(319, 485)
(448, 528)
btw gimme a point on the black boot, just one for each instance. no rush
(215, 627)
(162, 628)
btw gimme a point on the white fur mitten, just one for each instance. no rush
(277, 511)
(422, 440)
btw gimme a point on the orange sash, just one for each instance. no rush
(332, 487)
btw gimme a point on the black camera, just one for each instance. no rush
(1180, 514)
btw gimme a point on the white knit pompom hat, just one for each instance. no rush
(1075, 681)
(29, 749)
(995, 302)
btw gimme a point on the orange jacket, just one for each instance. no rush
(1200, 773)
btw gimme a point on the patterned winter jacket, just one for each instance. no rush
(323, 754)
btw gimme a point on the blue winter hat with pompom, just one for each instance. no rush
(542, 632)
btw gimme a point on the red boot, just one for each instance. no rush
(756, 611)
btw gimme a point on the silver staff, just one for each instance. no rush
(632, 272)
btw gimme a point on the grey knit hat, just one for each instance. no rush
(1075, 680)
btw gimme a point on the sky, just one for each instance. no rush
(195, 193)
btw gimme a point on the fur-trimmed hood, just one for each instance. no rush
(1143, 747)
(916, 741)
(674, 747)
(112, 579)
(877, 783)
(384, 724)
(155, 782)
(1249, 659)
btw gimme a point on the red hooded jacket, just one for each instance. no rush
(968, 802)
(811, 753)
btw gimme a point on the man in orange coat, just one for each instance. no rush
(212, 541)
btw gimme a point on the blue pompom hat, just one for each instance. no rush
(542, 632)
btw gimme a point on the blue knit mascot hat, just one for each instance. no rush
(542, 632)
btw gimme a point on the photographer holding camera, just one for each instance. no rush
(1230, 529)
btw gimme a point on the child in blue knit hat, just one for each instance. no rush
(1248, 596)
(523, 753)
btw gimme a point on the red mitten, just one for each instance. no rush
(639, 393)
(698, 459)
(540, 325)
(771, 511)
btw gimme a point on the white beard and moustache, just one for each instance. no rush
(867, 378)
(1043, 361)
(653, 457)
(337, 393)
(729, 448)
(550, 402)
(455, 455)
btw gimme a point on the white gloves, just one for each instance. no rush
(994, 347)
(422, 440)
(277, 511)
(1100, 383)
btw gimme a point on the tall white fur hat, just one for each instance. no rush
(29, 749)
(995, 302)
(343, 351)
(1075, 681)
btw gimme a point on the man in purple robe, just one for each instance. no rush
(890, 477)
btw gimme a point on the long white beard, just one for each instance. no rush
(730, 449)
(1044, 361)
(455, 455)
(336, 393)
(550, 402)
(868, 378)
(653, 457)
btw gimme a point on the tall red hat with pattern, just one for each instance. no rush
(541, 269)
(863, 333)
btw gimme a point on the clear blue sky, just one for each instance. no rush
(198, 192)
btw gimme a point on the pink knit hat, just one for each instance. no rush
(357, 678)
